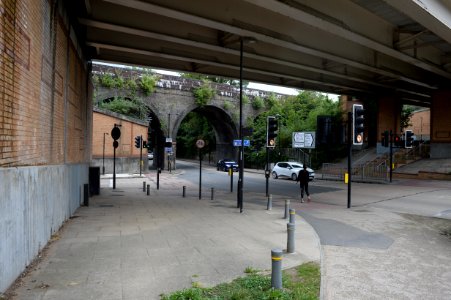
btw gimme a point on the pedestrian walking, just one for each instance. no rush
(303, 179)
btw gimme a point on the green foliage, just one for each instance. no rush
(258, 103)
(203, 94)
(295, 113)
(406, 114)
(107, 80)
(245, 100)
(129, 107)
(131, 84)
(193, 127)
(147, 83)
(228, 105)
(302, 283)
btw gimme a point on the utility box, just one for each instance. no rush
(94, 180)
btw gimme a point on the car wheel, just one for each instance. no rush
(274, 175)
(294, 176)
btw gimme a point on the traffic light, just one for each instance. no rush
(138, 141)
(358, 124)
(385, 139)
(271, 131)
(396, 140)
(144, 144)
(408, 138)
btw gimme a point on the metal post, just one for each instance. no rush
(349, 157)
(158, 178)
(212, 194)
(269, 205)
(114, 168)
(200, 174)
(276, 266)
(140, 155)
(391, 155)
(231, 180)
(144, 186)
(241, 158)
(292, 216)
(287, 207)
(103, 155)
(290, 238)
(148, 189)
(267, 171)
(184, 192)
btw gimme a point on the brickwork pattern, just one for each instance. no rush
(44, 109)
(104, 123)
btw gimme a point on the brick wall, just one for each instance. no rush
(103, 122)
(44, 109)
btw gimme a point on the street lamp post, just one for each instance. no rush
(241, 152)
(103, 155)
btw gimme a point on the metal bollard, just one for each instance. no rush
(287, 207)
(148, 189)
(144, 186)
(269, 205)
(290, 240)
(212, 194)
(184, 192)
(292, 215)
(276, 265)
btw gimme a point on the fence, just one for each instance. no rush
(373, 171)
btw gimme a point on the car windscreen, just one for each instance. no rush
(296, 166)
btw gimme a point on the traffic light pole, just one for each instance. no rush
(350, 138)
(140, 155)
(267, 172)
(391, 155)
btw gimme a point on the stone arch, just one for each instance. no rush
(225, 128)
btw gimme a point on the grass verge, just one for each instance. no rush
(299, 283)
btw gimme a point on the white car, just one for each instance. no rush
(150, 155)
(290, 169)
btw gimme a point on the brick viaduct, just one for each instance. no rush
(173, 99)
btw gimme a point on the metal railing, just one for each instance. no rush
(373, 171)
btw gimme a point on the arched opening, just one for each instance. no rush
(217, 126)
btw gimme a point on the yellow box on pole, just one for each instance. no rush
(393, 166)
(346, 177)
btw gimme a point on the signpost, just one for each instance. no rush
(115, 134)
(237, 143)
(200, 144)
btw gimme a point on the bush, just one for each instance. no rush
(203, 94)
(258, 103)
(148, 83)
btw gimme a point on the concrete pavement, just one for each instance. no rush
(127, 245)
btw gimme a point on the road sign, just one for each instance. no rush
(115, 133)
(200, 144)
(304, 140)
(237, 143)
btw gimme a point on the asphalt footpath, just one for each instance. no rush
(127, 245)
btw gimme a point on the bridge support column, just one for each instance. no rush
(441, 125)
(388, 118)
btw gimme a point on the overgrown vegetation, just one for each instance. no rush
(204, 93)
(194, 127)
(130, 105)
(301, 283)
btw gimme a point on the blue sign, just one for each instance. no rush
(237, 143)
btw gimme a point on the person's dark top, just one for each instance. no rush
(303, 177)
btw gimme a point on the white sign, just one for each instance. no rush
(304, 140)
(200, 144)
